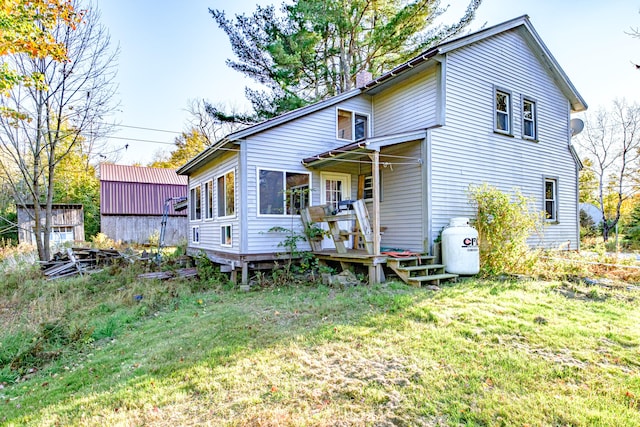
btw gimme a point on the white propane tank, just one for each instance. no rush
(460, 253)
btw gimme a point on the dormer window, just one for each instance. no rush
(352, 126)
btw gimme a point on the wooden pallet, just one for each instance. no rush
(419, 270)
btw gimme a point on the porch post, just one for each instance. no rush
(375, 172)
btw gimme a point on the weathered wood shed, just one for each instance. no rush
(132, 199)
(67, 223)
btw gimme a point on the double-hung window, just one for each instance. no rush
(529, 119)
(352, 126)
(196, 210)
(551, 199)
(502, 112)
(226, 194)
(282, 192)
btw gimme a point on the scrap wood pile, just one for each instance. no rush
(163, 275)
(79, 261)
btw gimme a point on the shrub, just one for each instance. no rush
(504, 223)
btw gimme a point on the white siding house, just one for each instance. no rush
(493, 106)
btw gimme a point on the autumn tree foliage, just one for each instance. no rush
(51, 120)
(611, 143)
(26, 28)
(310, 50)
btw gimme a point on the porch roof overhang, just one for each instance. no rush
(359, 148)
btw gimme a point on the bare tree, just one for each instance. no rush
(611, 141)
(42, 124)
(206, 123)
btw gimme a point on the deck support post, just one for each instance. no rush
(245, 273)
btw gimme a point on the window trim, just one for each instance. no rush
(217, 208)
(195, 234)
(525, 99)
(284, 182)
(509, 112)
(223, 235)
(555, 181)
(353, 114)
(195, 203)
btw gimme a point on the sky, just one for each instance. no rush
(172, 52)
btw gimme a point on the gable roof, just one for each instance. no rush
(521, 24)
(139, 174)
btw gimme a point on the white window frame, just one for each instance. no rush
(226, 239)
(195, 234)
(208, 200)
(195, 203)
(224, 196)
(353, 124)
(284, 189)
(533, 120)
(509, 113)
(554, 218)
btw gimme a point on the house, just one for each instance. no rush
(493, 106)
(132, 201)
(67, 223)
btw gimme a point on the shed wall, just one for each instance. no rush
(131, 198)
(138, 229)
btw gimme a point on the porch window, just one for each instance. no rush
(367, 188)
(352, 126)
(226, 238)
(551, 199)
(282, 192)
(208, 199)
(502, 111)
(195, 234)
(195, 196)
(226, 195)
(529, 119)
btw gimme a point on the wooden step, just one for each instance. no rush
(421, 267)
(410, 261)
(433, 279)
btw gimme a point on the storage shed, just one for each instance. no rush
(67, 223)
(132, 199)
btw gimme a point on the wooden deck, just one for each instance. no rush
(352, 257)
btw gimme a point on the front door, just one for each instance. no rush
(334, 188)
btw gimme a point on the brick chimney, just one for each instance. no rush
(362, 78)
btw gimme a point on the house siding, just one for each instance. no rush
(287, 145)
(402, 190)
(210, 228)
(409, 105)
(467, 150)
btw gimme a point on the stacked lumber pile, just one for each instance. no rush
(78, 261)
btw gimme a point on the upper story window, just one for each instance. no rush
(502, 111)
(352, 126)
(226, 194)
(529, 119)
(282, 193)
(196, 210)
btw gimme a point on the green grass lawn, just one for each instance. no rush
(478, 353)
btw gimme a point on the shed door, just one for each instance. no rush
(334, 188)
